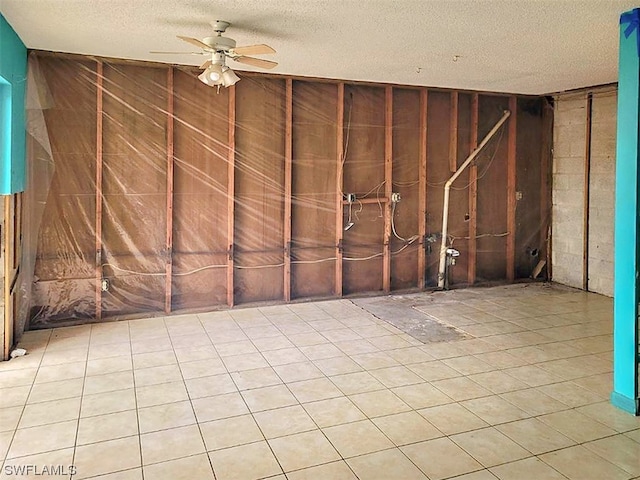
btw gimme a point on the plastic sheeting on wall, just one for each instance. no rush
(157, 193)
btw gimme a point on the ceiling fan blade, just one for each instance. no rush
(195, 41)
(206, 64)
(178, 53)
(256, 62)
(261, 49)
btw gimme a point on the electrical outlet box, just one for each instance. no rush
(105, 285)
(351, 197)
(395, 197)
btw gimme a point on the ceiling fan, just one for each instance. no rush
(216, 72)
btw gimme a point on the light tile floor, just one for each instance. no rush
(326, 390)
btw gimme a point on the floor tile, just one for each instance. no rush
(157, 375)
(17, 396)
(171, 444)
(527, 468)
(468, 365)
(5, 442)
(490, 447)
(258, 378)
(571, 394)
(461, 388)
(334, 411)
(375, 360)
(303, 450)
(272, 343)
(334, 471)
(320, 351)
(107, 427)
(576, 426)
(267, 398)
(452, 418)
(104, 366)
(110, 402)
(379, 403)
(295, 372)
(203, 352)
(358, 382)
(202, 368)
(55, 373)
(396, 376)
(230, 432)
(337, 365)
(50, 412)
(314, 390)
(619, 450)
(284, 421)
(107, 457)
(535, 436)
(15, 468)
(611, 416)
(31, 441)
(405, 428)
(236, 348)
(108, 382)
(189, 468)
(168, 415)
(9, 418)
(209, 386)
(284, 356)
(452, 460)
(154, 359)
(219, 406)
(494, 410)
(534, 402)
(422, 395)
(484, 475)
(385, 465)
(246, 361)
(498, 382)
(163, 393)
(533, 376)
(357, 438)
(578, 463)
(245, 462)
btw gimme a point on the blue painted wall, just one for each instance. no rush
(13, 82)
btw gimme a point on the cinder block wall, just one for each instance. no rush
(569, 153)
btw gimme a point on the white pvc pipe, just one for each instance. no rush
(447, 188)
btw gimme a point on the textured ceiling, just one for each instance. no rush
(517, 46)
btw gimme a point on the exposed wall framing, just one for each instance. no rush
(203, 199)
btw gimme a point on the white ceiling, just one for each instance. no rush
(516, 46)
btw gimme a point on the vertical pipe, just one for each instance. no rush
(231, 192)
(340, 159)
(287, 189)
(99, 161)
(422, 191)
(511, 189)
(585, 200)
(388, 179)
(473, 196)
(169, 237)
(453, 133)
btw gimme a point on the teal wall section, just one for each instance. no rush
(627, 241)
(13, 82)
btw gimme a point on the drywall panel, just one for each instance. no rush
(601, 192)
(134, 188)
(492, 192)
(406, 178)
(363, 174)
(569, 147)
(313, 209)
(65, 267)
(200, 214)
(259, 188)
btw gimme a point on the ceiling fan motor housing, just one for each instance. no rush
(220, 43)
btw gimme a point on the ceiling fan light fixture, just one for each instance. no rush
(229, 77)
(212, 76)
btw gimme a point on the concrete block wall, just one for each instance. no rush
(569, 153)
